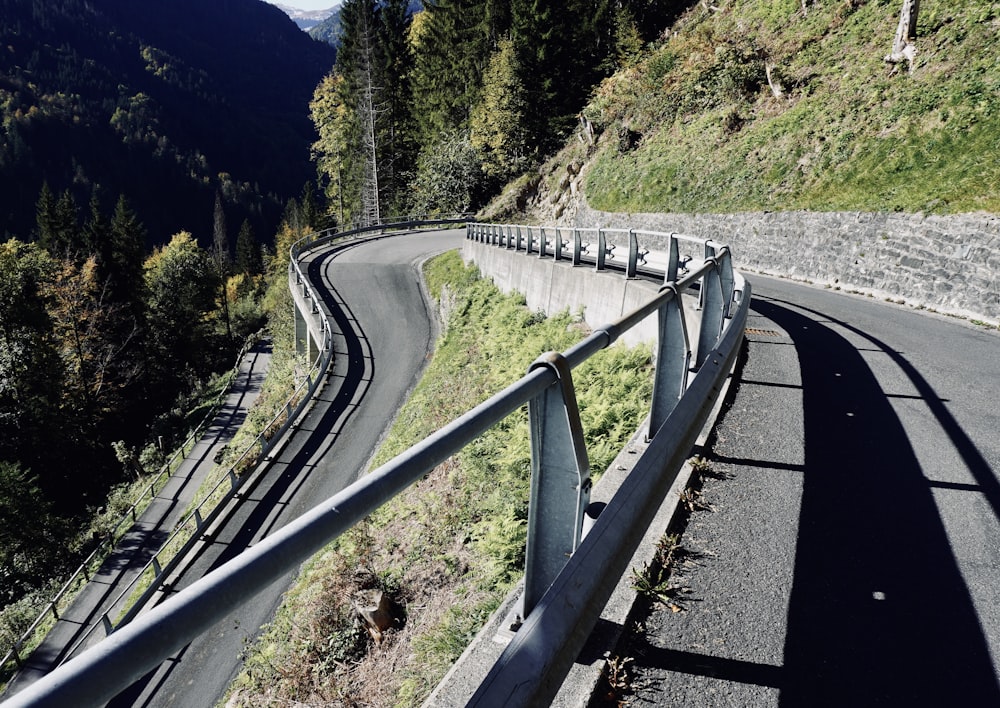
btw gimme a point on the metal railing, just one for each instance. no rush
(568, 577)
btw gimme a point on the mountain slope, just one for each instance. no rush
(162, 101)
(765, 106)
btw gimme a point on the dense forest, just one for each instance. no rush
(165, 103)
(147, 152)
(102, 347)
(435, 111)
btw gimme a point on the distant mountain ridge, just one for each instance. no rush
(307, 19)
(162, 101)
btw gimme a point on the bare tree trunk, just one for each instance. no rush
(367, 110)
(903, 48)
(777, 90)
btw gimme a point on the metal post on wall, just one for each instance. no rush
(560, 481)
(673, 360)
(714, 305)
(633, 254)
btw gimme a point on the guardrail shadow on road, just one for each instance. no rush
(879, 610)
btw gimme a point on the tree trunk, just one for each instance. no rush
(902, 46)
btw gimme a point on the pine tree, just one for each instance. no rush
(124, 267)
(248, 256)
(396, 135)
(498, 120)
(67, 224)
(46, 226)
(222, 259)
(449, 58)
(96, 231)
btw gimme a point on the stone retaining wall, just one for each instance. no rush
(950, 264)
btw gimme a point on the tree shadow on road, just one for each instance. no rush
(879, 612)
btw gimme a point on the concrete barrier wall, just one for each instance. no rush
(553, 287)
(946, 263)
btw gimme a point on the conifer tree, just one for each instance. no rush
(396, 137)
(222, 259)
(46, 226)
(248, 256)
(449, 57)
(124, 266)
(96, 230)
(498, 120)
(67, 224)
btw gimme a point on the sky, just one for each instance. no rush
(308, 4)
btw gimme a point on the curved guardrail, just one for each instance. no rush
(568, 577)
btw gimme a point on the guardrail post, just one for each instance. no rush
(633, 254)
(157, 569)
(520, 239)
(577, 247)
(673, 261)
(108, 627)
(602, 249)
(714, 306)
(560, 481)
(673, 360)
(727, 280)
(543, 243)
(529, 242)
(558, 245)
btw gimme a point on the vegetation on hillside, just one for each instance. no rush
(792, 105)
(447, 550)
(103, 348)
(167, 103)
(434, 112)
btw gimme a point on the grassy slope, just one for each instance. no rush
(850, 133)
(449, 548)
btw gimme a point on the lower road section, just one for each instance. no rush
(386, 333)
(845, 549)
(106, 594)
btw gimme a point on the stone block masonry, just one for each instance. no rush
(950, 264)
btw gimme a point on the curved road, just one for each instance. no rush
(373, 289)
(851, 553)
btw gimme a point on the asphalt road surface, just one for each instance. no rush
(374, 290)
(849, 553)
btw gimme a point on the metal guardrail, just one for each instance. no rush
(564, 595)
(561, 610)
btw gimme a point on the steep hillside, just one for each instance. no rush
(791, 105)
(163, 101)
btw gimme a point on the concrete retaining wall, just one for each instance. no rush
(946, 263)
(553, 287)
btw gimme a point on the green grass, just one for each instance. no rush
(848, 134)
(451, 547)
